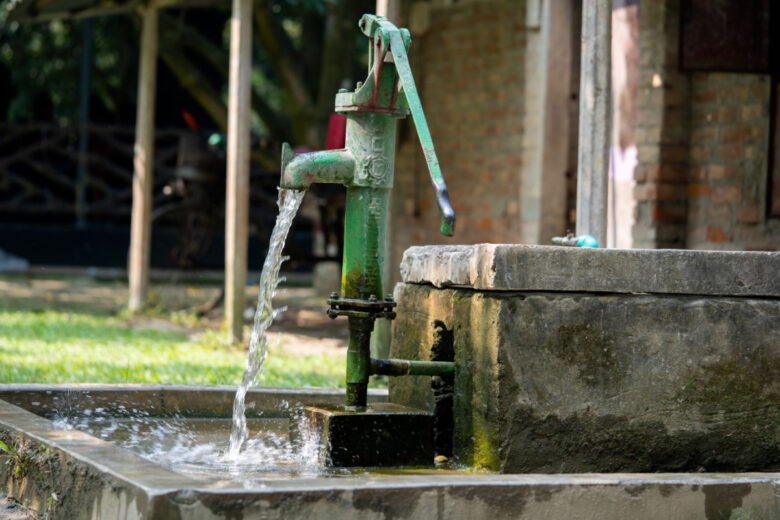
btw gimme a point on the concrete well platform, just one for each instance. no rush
(381, 435)
(571, 360)
(94, 479)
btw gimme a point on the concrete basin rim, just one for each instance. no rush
(151, 387)
(574, 293)
(530, 479)
(70, 447)
(450, 248)
(177, 482)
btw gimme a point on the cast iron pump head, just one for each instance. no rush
(366, 168)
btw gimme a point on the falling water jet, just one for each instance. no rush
(289, 202)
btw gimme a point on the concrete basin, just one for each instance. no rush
(599, 360)
(92, 478)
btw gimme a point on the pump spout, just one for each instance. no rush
(329, 166)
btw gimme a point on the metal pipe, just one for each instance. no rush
(358, 360)
(408, 367)
(328, 166)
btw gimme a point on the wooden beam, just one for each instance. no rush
(237, 203)
(143, 161)
(595, 119)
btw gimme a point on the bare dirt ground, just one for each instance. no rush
(174, 306)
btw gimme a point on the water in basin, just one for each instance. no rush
(199, 447)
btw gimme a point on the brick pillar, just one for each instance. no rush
(662, 130)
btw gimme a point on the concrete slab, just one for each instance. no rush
(381, 435)
(514, 267)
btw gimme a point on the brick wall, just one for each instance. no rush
(728, 163)
(662, 130)
(703, 143)
(469, 69)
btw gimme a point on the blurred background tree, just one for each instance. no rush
(304, 50)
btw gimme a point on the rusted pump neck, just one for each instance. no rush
(365, 166)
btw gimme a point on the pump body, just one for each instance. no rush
(366, 166)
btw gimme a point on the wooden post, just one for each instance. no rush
(547, 104)
(237, 198)
(143, 161)
(595, 119)
(390, 9)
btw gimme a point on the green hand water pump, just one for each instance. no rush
(366, 167)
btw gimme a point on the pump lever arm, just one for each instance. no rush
(404, 71)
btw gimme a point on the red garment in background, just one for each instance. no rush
(337, 132)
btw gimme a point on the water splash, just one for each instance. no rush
(198, 448)
(289, 202)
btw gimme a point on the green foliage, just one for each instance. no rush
(44, 63)
(4, 448)
(40, 64)
(38, 59)
(63, 347)
(16, 458)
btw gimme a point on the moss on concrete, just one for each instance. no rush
(590, 351)
(737, 384)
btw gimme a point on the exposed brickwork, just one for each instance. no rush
(728, 156)
(662, 133)
(470, 73)
(702, 138)
(703, 141)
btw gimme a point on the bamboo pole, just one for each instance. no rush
(595, 119)
(143, 161)
(237, 198)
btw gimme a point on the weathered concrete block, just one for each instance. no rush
(382, 435)
(570, 382)
(515, 267)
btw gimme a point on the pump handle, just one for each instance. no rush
(381, 30)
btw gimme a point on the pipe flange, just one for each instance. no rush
(372, 308)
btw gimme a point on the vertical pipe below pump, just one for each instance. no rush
(366, 216)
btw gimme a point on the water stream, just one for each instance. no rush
(258, 449)
(289, 202)
(199, 448)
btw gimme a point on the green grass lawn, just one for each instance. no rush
(53, 346)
